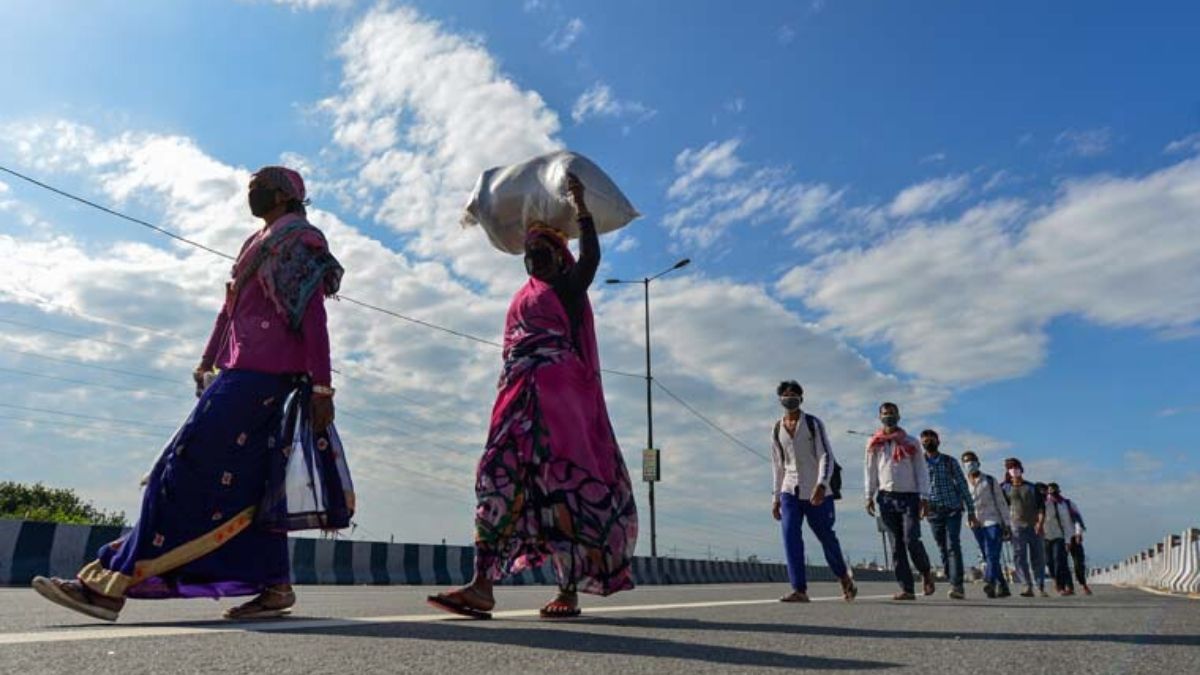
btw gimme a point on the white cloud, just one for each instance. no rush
(976, 292)
(785, 35)
(921, 198)
(715, 190)
(425, 111)
(565, 36)
(735, 106)
(933, 158)
(1189, 143)
(313, 4)
(1085, 142)
(598, 101)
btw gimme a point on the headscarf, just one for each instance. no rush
(539, 231)
(286, 181)
(292, 262)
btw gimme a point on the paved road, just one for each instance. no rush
(691, 629)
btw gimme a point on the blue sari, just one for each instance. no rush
(243, 470)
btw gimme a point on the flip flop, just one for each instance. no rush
(48, 589)
(567, 612)
(443, 602)
(255, 609)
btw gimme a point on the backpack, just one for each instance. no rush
(835, 479)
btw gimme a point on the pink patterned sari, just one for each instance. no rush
(552, 483)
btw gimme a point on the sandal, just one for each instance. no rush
(904, 596)
(258, 608)
(565, 606)
(928, 587)
(795, 596)
(75, 596)
(849, 590)
(447, 603)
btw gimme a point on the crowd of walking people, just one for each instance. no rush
(259, 455)
(909, 480)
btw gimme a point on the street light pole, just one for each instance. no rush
(650, 424)
(645, 282)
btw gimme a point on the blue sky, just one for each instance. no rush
(986, 213)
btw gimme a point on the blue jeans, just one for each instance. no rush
(820, 521)
(900, 512)
(947, 531)
(991, 542)
(1029, 556)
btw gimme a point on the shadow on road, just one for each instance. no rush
(893, 634)
(560, 639)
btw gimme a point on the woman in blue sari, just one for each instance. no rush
(218, 503)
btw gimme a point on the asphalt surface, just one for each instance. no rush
(689, 629)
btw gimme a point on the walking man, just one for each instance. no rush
(803, 471)
(991, 524)
(1059, 527)
(897, 480)
(1075, 546)
(949, 496)
(1027, 514)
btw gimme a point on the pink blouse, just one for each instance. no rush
(254, 336)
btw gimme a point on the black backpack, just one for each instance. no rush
(835, 480)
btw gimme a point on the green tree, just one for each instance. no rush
(53, 505)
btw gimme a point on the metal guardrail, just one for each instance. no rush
(1172, 566)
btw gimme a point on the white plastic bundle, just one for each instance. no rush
(507, 199)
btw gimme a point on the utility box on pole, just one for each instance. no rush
(651, 469)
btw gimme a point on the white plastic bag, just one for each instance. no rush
(507, 199)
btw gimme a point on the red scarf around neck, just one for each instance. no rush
(902, 447)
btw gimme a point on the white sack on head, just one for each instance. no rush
(507, 199)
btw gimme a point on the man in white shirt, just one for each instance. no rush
(991, 524)
(803, 467)
(897, 479)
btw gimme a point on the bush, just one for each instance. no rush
(52, 505)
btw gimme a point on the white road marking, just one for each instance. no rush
(212, 628)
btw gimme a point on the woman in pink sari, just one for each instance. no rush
(551, 485)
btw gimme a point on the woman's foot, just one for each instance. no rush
(75, 596)
(469, 600)
(274, 602)
(564, 606)
(795, 596)
(904, 596)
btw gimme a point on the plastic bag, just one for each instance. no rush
(507, 198)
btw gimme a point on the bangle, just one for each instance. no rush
(322, 390)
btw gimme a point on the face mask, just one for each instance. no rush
(1015, 472)
(262, 200)
(972, 467)
(930, 446)
(889, 420)
(1054, 493)
(790, 402)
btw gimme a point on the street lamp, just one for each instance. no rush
(645, 282)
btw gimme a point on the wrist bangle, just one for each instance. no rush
(322, 390)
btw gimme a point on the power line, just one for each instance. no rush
(716, 427)
(93, 366)
(77, 336)
(111, 212)
(86, 383)
(92, 427)
(86, 417)
(169, 233)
